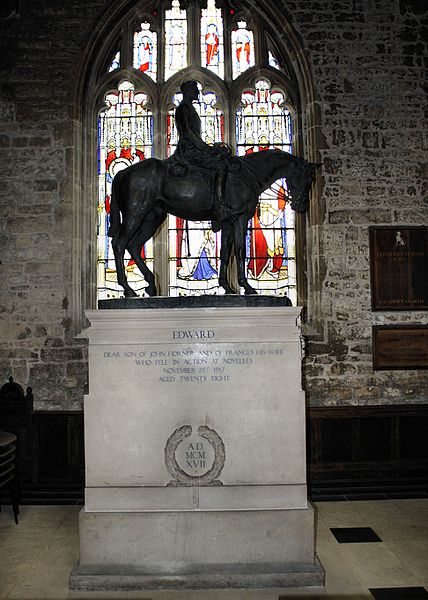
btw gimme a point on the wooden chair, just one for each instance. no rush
(8, 473)
(16, 413)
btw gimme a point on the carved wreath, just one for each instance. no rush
(208, 478)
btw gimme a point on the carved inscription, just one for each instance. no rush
(209, 364)
(195, 455)
(185, 334)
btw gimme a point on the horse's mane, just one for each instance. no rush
(299, 165)
(254, 156)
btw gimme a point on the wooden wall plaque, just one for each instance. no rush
(400, 347)
(399, 268)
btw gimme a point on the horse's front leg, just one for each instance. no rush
(239, 232)
(226, 247)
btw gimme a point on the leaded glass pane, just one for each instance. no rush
(145, 50)
(125, 137)
(264, 122)
(272, 60)
(194, 249)
(242, 49)
(175, 39)
(212, 46)
(115, 62)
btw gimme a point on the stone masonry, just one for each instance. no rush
(367, 61)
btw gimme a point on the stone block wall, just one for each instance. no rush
(39, 61)
(367, 59)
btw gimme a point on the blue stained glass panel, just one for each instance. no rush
(272, 60)
(115, 62)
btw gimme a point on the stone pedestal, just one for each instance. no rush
(195, 451)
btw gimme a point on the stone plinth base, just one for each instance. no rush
(195, 448)
(264, 575)
(190, 550)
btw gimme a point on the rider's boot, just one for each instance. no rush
(222, 212)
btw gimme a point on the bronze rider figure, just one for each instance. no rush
(191, 149)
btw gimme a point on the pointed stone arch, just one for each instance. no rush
(292, 55)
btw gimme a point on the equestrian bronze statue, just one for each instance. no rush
(198, 183)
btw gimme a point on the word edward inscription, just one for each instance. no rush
(185, 334)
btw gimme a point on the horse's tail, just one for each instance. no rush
(114, 210)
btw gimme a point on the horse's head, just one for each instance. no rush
(299, 183)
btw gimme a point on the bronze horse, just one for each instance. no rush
(144, 193)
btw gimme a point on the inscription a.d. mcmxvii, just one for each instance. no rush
(195, 458)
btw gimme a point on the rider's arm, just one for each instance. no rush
(196, 140)
(183, 121)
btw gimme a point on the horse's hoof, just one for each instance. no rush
(151, 290)
(227, 288)
(250, 292)
(130, 294)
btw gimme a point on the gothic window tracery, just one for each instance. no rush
(240, 104)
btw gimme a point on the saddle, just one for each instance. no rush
(177, 167)
(214, 179)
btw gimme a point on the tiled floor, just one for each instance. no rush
(37, 555)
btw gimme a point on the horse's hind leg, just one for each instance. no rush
(118, 244)
(239, 233)
(148, 229)
(121, 240)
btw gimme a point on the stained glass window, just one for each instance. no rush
(227, 48)
(145, 51)
(263, 122)
(175, 39)
(242, 49)
(194, 249)
(212, 45)
(115, 62)
(125, 136)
